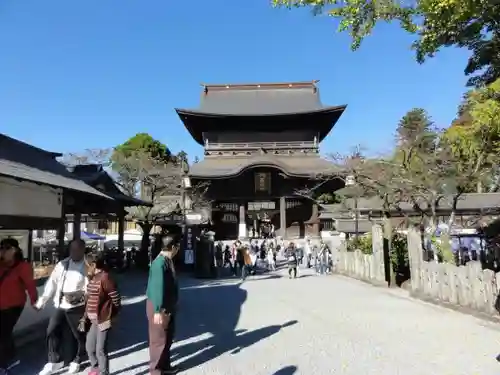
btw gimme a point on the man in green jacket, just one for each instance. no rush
(162, 295)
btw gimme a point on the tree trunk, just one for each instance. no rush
(387, 246)
(479, 187)
(446, 249)
(433, 226)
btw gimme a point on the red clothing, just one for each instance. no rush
(103, 298)
(14, 286)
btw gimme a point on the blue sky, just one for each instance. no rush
(90, 73)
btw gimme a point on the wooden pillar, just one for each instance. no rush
(242, 224)
(77, 226)
(283, 217)
(315, 217)
(61, 231)
(121, 229)
(29, 256)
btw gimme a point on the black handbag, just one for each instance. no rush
(75, 298)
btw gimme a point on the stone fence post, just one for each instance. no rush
(415, 258)
(378, 253)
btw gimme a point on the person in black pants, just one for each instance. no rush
(291, 256)
(66, 287)
(16, 278)
(8, 320)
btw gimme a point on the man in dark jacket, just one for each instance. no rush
(162, 295)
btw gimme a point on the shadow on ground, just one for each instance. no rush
(288, 370)
(124, 340)
(208, 319)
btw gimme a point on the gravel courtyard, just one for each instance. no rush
(271, 325)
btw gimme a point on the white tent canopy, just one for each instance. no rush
(132, 237)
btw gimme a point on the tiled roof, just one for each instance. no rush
(25, 162)
(285, 106)
(97, 177)
(471, 202)
(334, 211)
(349, 226)
(291, 165)
(260, 99)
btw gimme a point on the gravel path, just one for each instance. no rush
(270, 325)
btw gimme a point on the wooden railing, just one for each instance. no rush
(257, 145)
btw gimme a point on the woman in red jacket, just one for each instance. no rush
(16, 278)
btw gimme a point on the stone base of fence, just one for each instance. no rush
(365, 267)
(468, 288)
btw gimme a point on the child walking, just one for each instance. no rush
(102, 305)
(271, 263)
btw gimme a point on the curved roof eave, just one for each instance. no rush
(198, 113)
(334, 111)
(235, 172)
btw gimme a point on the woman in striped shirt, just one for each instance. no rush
(103, 303)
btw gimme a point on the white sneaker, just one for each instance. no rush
(13, 364)
(50, 368)
(73, 368)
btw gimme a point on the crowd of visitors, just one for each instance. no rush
(243, 259)
(87, 300)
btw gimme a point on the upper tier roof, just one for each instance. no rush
(277, 100)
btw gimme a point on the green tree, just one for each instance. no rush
(145, 143)
(327, 198)
(473, 24)
(145, 167)
(474, 138)
(414, 124)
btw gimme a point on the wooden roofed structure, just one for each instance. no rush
(340, 219)
(20, 161)
(467, 204)
(261, 144)
(37, 170)
(283, 106)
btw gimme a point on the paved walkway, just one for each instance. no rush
(270, 325)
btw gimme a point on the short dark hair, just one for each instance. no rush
(79, 241)
(7, 243)
(100, 261)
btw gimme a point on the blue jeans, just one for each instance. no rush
(320, 267)
(244, 272)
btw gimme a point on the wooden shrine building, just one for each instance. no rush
(261, 145)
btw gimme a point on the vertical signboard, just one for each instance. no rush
(189, 243)
(263, 182)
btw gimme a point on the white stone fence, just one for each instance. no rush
(366, 267)
(468, 287)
